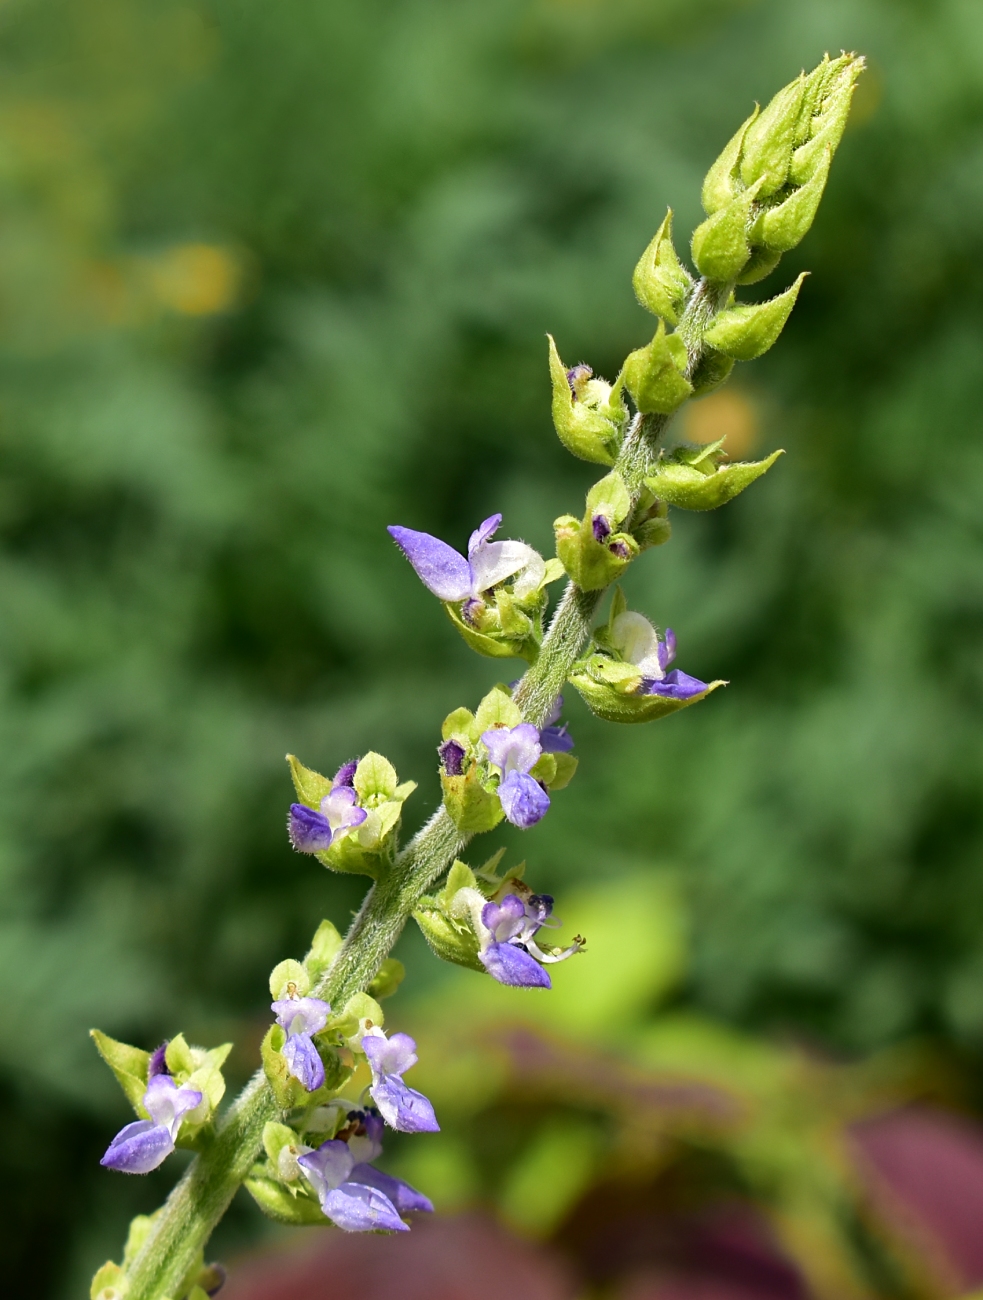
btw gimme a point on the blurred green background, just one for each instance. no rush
(274, 276)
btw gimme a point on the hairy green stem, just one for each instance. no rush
(199, 1200)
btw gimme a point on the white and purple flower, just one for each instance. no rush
(313, 831)
(514, 751)
(637, 641)
(402, 1107)
(352, 1193)
(457, 580)
(145, 1144)
(508, 948)
(300, 1018)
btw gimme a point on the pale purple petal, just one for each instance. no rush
(556, 740)
(524, 801)
(301, 1015)
(496, 561)
(513, 748)
(328, 1166)
(676, 685)
(504, 919)
(345, 774)
(404, 1197)
(512, 965)
(402, 1107)
(138, 1148)
(309, 831)
(355, 1207)
(366, 1143)
(339, 808)
(483, 533)
(303, 1061)
(438, 566)
(158, 1061)
(165, 1102)
(670, 650)
(393, 1055)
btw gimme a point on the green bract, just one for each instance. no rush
(654, 374)
(694, 479)
(588, 413)
(610, 689)
(661, 283)
(748, 332)
(593, 564)
(720, 245)
(365, 849)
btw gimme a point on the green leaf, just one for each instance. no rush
(448, 940)
(748, 332)
(566, 766)
(130, 1065)
(375, 779)
(311, 786)
(660, 282)
(282, 1205)
(653, 374)
(323, 950)
(459, 877)
(390, 975)
(491, 645)
(460, 722)
(109, 1283)
(289, 972)
(610, 497)
(472, 808)
(686, 487)
(497, 709)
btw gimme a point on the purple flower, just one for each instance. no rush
(302, 1017)
(401, 1106)
(600, 527)
(509, 951)
(637, 641)
(142, 1146)
(158, 1061)
(345, 774)
(454, 579)
(555, 739)
(312, 832)
(353, 1206)
(452, 757)
(514, 751)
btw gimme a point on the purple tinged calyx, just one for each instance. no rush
(452, 755)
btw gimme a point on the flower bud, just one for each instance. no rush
(697, 481)
(109, 1283)
(722, 183)
(654, 374)
(587, 413)
(660, 281)
(720, 244)
(767, 148)
(834, 93)
(592, 550)
(748, 332)
(781, 228)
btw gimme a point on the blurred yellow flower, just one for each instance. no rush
(195, 279)
(730, 415)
